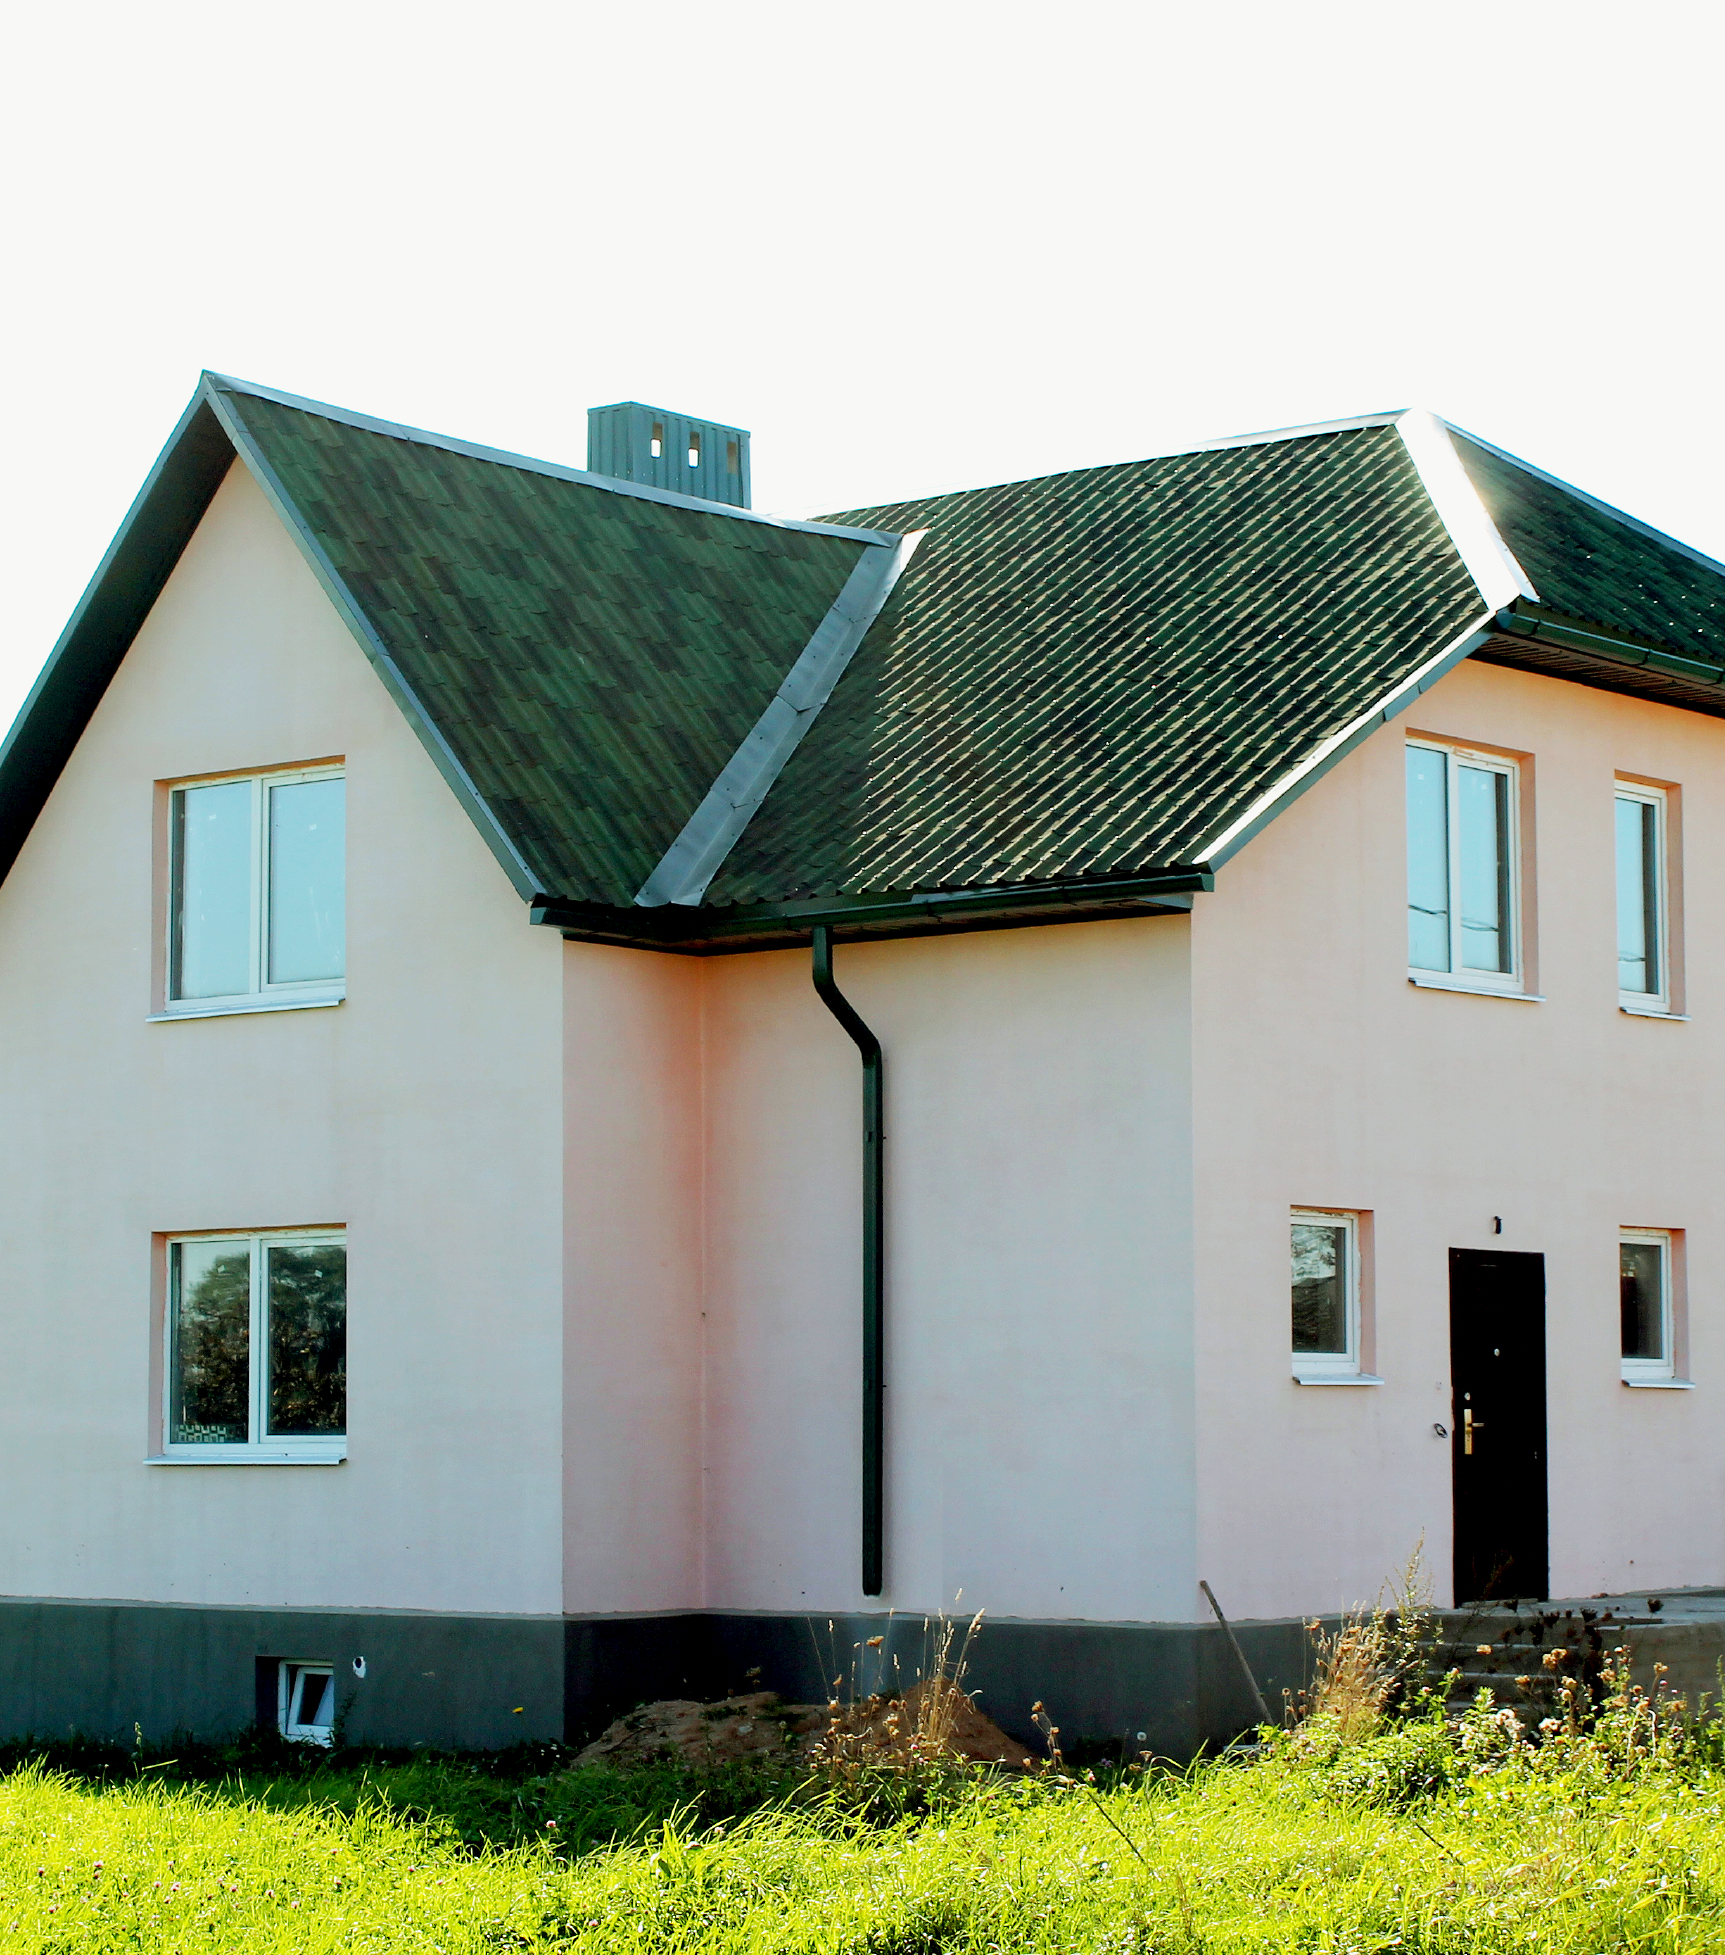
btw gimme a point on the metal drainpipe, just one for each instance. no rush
(873, 1263)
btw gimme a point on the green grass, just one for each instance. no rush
(1397, 1845)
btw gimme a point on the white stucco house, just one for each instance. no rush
(595, 1078)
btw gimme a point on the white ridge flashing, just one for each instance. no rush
(712, 831)
(1490, 561)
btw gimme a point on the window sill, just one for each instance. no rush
(336, 1455)
(236, 1007)
(1660, 1384)
(1335, 1378)
(1435, 981)
(1652, 1011)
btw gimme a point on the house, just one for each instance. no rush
(608, 1094)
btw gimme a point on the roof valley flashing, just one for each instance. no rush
(1072, 696)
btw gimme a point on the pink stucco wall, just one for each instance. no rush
(424, 1114)
(1323, 1078)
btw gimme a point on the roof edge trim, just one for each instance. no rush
(1593, 502)
(107, 617)
(1339, 745)
(558, 471)
(692, 861)
(1262, 437)
(1461, 509)
(430, 734)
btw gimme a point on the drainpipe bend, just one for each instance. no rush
(873, 1262)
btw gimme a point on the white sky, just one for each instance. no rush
(910, 247)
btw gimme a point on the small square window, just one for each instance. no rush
(1462, 824)
(1644, 1263)
(1325, 1272)
(305, 1703)
(257, 1347)
(1642, 932)
(257, 896)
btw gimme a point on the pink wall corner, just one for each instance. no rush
(1323, 1078)
(633, 1343)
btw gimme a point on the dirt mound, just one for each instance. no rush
(757, 1726)
(931, 1719)
(926, 1720)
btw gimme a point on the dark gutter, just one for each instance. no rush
(1524, 620)
(762, 926)
(873, 1264)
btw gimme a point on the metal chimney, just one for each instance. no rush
(637, 443)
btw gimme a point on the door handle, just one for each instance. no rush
(1469, 1426)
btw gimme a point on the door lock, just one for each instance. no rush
(1469, 1426)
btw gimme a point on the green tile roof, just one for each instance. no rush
(1094, 674)
(592, 658)
(1080, 680)
(1595, 564)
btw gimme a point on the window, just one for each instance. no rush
(1462, 896)
(305, 1703)
(257, 898)
(257, 1347)
(1326, 1295)
(1645, 1281)
(1642, 958)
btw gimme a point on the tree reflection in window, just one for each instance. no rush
(307, 1304)
(211, 1344)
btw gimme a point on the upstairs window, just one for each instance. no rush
(1462, 896)
(257, 892)
(257, 1347)
(1641, 902)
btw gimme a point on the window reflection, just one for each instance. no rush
(1320, 1287)
(307, 1305)
(210, 1339)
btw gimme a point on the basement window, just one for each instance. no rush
(305, 1703)
(256, 1348)
(257, 893)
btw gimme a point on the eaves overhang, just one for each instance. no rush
(1532, 638)
(915, 913)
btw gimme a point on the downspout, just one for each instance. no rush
(873, 1262)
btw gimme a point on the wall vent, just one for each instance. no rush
(636, 443)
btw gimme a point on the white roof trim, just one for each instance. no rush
(713, 830)
(397, 431)
(1269, 804)
(1490, 561)
(1593, 502)
(1348, 424)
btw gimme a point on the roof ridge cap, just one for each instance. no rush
(532, 464)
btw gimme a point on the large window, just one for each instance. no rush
(1462, 896)
(1326, 1294)
(1644, 1275)
(256, 1357)
(257, 902)
(1642, 935)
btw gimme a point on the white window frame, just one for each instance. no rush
(316, 1449)
(1657, 1003)
(1333, 1367)
(262, 994)
(291, 1675)
(1654, 1371)
(1458, 977)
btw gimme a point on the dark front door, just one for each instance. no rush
(1497, 1440)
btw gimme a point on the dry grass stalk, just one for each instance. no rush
(1370, 1657)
